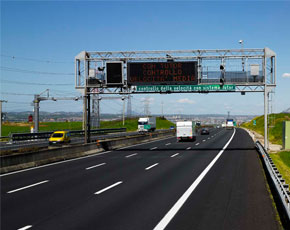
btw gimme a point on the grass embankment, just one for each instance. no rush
(275, 126)
(282, 162)
(130, 124)
(281, 159)
(24, 127)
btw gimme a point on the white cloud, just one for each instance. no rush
(286, 75)
(186, 101)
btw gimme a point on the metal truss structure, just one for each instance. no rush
(248, 70)
(237, 67)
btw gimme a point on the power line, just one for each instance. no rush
(18, 94)
(34, 59)
(4, 68)
(30, 83)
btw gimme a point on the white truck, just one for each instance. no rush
(146, 124)
(230, 124)
(185, 130)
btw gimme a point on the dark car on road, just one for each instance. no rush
(204, 132)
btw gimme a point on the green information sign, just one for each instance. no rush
(183, 88)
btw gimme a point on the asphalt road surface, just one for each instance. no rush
(216, 182)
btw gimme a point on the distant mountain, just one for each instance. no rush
(287, 110)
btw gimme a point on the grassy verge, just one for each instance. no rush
(275, 122)
(24, 127)
(130, 124)
(282, 162)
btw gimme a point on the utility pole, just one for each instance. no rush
(162, 103)
(38, 98)
(129, 106)
(1, 116)
(266, 98)
(95, 111)
(36, 113)
(243, 62)
(123, 99)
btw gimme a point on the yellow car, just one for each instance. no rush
(59, 137)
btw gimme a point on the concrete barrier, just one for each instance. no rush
(32, 159)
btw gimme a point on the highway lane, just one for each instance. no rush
(134, 188)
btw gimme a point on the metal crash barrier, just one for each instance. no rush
(14, 137)
(279, 183)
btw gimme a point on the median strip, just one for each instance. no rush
(134, 154)
(95, 166)
(29, 186)
(109, 187)
(152, 166)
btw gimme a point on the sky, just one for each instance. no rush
(39, 40)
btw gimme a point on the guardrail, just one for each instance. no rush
(45, 135)
(4, 138)
(17, 161)
(279, 183)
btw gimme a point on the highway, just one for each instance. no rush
(216, 182)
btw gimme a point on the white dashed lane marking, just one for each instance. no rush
(26, 227)
(150, 167)
(29, 186)
(95, 166)
(109, 187)
(134, 154)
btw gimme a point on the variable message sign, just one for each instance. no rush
(114, 76)
(182, 88)
(162, 73)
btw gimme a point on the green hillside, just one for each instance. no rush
(281, 159)
(275, 126)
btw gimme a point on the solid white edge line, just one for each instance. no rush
(174, 155)
(134, 154)
(26, 227)
(95, 166)
(172, 212)
(75, 159)
(29, 186)
(151, 166)
(109, 187)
